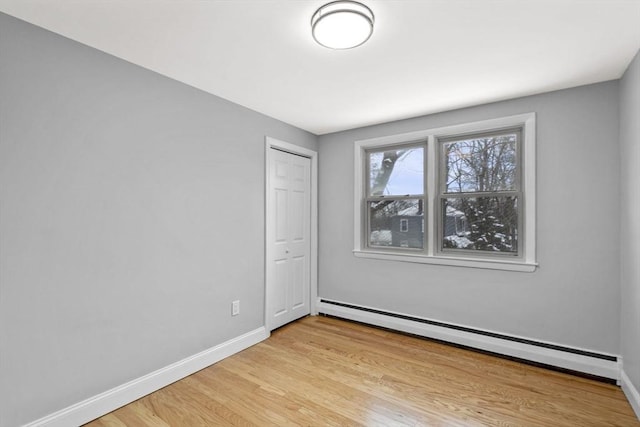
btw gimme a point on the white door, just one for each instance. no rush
(288, 238)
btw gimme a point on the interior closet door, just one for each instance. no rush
(288, 238)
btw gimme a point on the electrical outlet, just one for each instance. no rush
(235, 308)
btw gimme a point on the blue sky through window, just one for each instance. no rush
(407, 174)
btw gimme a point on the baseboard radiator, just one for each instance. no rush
(601, 366)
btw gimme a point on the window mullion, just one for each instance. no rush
(431, 194)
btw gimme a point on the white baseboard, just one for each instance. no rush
(548, 356)
(110, 400)
(633, 396)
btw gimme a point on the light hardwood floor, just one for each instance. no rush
(322, 371)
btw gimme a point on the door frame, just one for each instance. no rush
(313, 256)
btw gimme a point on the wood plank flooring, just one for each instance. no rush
(322, 371)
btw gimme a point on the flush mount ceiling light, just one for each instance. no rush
(342, 24)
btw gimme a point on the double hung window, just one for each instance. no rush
(479, 189)
(395, 196)
(462, 195)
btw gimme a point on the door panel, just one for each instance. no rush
(297, 221)
(298, 270)
(288, 238)
(281, 214)
(280, 288)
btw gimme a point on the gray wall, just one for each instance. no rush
(572, 299)
(630, 219)
(131, 215)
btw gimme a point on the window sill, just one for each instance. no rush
(521, 266)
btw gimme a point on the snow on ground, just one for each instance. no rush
(459, 241)
(381, 237)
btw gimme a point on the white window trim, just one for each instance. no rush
(526, 263)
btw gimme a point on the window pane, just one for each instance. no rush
(396, 172)
(397, 223)
(481, 224)
(481, 164)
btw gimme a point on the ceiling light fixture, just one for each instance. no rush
(342, 24)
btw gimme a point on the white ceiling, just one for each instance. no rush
(425, 56)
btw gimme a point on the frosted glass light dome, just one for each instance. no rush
(342, 24)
